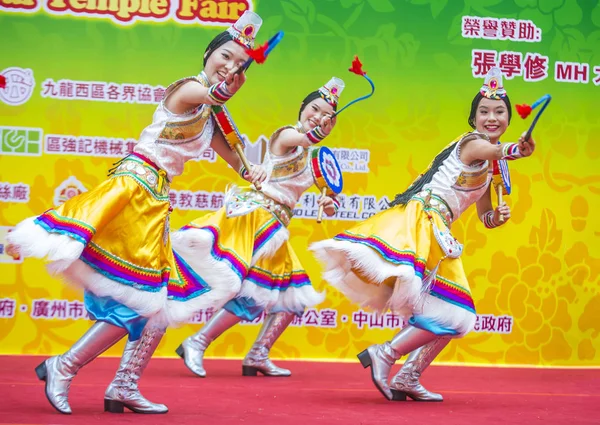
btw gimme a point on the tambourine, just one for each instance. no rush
(327, 174)
(501, 180)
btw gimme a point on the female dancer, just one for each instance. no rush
(406, 259)
(114, 240)
(262, 259)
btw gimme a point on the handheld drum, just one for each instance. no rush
(327, 174)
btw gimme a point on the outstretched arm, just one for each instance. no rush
(291, 138)
(192, 93)
(480, 149)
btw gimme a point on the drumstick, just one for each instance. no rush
(499, 190)
(321, 208)
(239, 149)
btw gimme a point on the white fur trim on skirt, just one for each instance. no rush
(342, 259)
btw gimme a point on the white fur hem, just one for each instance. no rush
(195, 246)
(446, 315)
(292, 299)
(32, 240)
(63, 254)
(142, 302)
(270, 248)
(342, 257)
(179, 312)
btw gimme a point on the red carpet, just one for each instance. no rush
(317, 393)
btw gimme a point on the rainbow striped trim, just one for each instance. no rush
(221, 254)
(228, 128)
(53, 222)
(488, 219)
(388, 253)
(441, 288)
(119, 270)
(510, 151)
(318, 176)
(336, 203)
(188, 284)
(267, 280)
(316, 135)
(219, 93)
(320, 181)
(453, 293)
(243, 172)
(265, 233)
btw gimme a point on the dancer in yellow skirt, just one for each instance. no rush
(406, 259)
(114, 240)
(246, 242)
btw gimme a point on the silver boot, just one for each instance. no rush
(58, 371)
(406, 382)
(257, 359)
(382, 357)
(123, 390)
(192, 349)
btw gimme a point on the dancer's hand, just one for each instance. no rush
(327, 124)
(328, 205)
(13, 251)
(526, 147)
(235, 80)
(504, 211)
(256, 175)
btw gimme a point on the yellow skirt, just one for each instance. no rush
(248, 255)
(381, 262)
(112, 240)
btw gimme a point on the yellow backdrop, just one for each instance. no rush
(74, 104)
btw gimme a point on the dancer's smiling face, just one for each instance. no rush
(224, 59)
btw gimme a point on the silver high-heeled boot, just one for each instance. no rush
(192, 349)
(123, 391)
(257, 359)
(58, 371)
(406, 382)
(382, 357)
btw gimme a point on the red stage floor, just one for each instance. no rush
(317, 393)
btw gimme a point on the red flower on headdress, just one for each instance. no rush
(2, 82)
(523, 110)
(357, 67)
(259, 54)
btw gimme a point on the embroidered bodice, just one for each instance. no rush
(290, 174)
(460, 185)
(173, 139)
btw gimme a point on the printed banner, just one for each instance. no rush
(82, 78)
